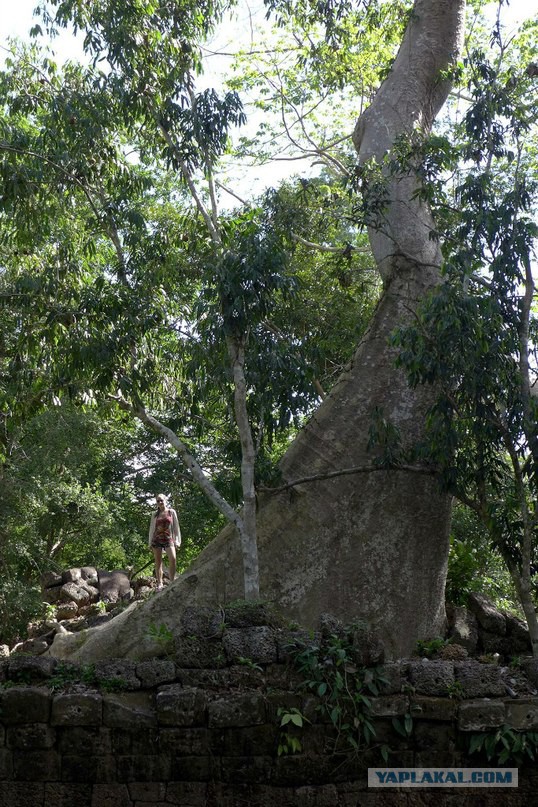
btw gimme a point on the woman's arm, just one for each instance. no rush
(176, 532)
(151, 529)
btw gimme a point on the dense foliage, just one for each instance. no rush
(475, 338)
(125, 272)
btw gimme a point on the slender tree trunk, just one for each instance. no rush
(522, 584)
(247, 532)
(372, 546)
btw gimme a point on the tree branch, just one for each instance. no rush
(359, 469)
(189, 461)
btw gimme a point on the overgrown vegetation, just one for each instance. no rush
(343, 688)
(504, 746)
(124, 277)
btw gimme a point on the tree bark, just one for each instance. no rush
(247, 528)
(373, 546)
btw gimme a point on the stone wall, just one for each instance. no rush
(199, 726)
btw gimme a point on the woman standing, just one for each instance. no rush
(164, 533)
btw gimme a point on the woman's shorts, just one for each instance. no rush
(162, 542)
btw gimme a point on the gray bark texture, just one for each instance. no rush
(369, 546)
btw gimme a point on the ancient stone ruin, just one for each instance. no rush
(80, 598)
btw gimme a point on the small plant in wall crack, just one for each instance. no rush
(289, 743)
(248, 662)
(505, 745)
(163, 636)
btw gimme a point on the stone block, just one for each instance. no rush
(205, 678)
(77, 709)
(72, 592)
(522, 714)
(193, 769)
(71, 576)
(290, 770)
(462, 627)
(245, 614)
(36, 766)
(489, 617)
(247, 769)
(247, 709)
(25, 705)
(321, 796)
(52, 595)
(146, 742)
(93, 591)
(67, 610)
(144, 768)
(34, 668)
(6, 765)
(22, 794)
(147, 792)
(84, 768)
(112, 795)
(188, 794)
(181, 706)
(196, 652)
(478, 680)
(49, 579)
(431, 677)
(185, 742)
(78, 740)
(257, 644)
(428, 708)
(31, 736)
(247, 741)
(119, 672)
(129, 710)
(155, 671)
(389, 706)
(58, 794)
(201, 621)
(435, 746)
(481, 715)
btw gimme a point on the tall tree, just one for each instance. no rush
(121, 287)
(359, 536)
(475, 339)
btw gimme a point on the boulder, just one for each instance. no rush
(517, 629)
(50, 579)
(71, 592)
(462, 627)
(489, 617)
(52, 595)
(71, 576)
(89, 575)
(66, 610)
(113, 586)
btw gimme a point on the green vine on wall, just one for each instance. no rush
(342, 686)
(505, 745)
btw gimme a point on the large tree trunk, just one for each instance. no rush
(373, 545)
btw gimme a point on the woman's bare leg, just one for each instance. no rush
(158, 555)
(171, 552)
